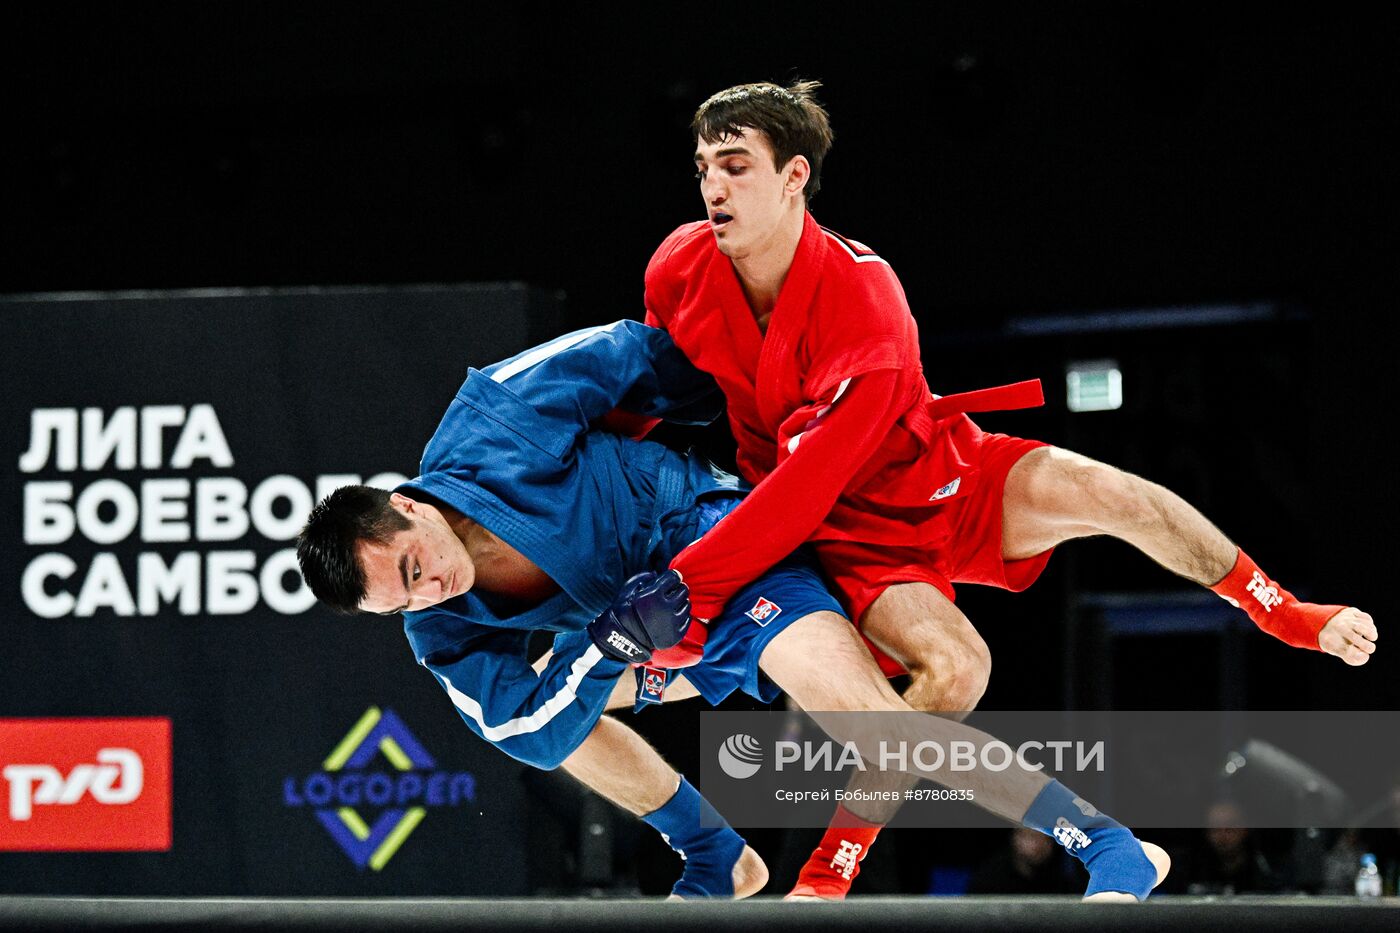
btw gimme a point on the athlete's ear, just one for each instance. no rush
(798, 171)
(401, 502)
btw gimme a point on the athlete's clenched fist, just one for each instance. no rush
(1350, 635)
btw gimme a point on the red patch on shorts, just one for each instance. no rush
(764, 611)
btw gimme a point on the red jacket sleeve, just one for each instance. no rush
(821, 446)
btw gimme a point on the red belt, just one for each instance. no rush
(1026, 394)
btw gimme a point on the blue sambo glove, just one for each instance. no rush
(650, 613)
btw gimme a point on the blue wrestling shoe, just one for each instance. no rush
(1119, 864)
(710, 852)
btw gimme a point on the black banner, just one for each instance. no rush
(164, 449)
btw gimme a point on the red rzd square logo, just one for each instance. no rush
(85, 785)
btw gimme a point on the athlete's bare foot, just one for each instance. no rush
(750, 875)
(1349, 635)
(1160, 860)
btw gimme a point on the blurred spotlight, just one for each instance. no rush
(1281, 789)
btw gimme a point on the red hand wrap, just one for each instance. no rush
(1273, 609)
(686, 652)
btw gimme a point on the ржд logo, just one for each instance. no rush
(89, 785)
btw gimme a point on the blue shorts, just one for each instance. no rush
(791, 589)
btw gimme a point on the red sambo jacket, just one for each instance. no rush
(834, 421)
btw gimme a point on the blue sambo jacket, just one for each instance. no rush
(517, 454)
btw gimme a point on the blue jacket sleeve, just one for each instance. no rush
(538, 719)
(584, 375)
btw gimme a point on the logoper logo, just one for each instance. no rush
(346, 782)
(89, 785)
(740, 756)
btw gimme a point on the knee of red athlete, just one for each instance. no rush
(949, 678)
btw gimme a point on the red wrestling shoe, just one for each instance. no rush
(834, 864)
(1271, 607)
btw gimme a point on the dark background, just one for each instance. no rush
(1011, 161)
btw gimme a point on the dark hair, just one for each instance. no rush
(326, 546)
(790, 117)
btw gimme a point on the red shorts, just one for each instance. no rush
(860, 572)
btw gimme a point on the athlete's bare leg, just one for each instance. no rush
(621, 766)
(949, 664)
(1054, 495)
(848, 680)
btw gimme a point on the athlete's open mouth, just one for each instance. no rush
(720, 220)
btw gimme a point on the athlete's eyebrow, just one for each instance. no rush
(403, 578)
(732, 150)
